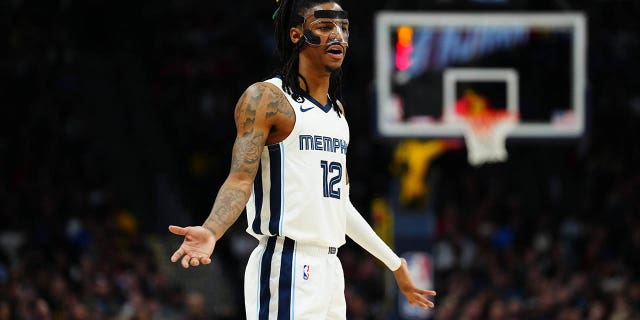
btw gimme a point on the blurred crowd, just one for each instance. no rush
(565, 251)
(116, 119)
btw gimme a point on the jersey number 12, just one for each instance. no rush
(333, 169)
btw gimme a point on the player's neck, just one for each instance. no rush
(318, 83)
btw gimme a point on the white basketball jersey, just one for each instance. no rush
(299, 189)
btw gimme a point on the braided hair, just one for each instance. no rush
(288, 15)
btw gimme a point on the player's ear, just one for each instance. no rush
(295, 34)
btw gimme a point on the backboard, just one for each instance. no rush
(529, 64)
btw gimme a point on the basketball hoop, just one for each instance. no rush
(485, 134)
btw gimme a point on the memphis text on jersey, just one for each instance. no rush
(322, 143)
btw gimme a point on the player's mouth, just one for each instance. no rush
(335, 51)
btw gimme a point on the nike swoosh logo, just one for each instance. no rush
(305, 110)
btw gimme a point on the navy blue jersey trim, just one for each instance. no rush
(275, 194)
(257, 199)
(284, 285)
(326, 108)
(265, 275)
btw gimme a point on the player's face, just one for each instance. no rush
(326, 35)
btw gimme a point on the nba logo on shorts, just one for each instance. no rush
(305, 272)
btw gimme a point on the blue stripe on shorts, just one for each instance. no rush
(284, 285)
(265, 275)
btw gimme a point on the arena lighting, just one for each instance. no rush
(404, 47)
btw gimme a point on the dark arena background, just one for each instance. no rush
(116, 120)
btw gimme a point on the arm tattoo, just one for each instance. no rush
(246, 152)
(247, 109)
(229, 202)
(278, 104)
(248, 146)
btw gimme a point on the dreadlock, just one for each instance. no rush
(288, 16)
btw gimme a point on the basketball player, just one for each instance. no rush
(289, 169)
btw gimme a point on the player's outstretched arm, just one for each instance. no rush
(252, 123)
(361, 232)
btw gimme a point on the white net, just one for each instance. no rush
(485, 137)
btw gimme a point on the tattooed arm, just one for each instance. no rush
(255, 118)
(252, 132)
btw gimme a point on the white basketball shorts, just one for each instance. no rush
(286, 279)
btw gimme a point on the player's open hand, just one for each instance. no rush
(415, 296)
(196, 248)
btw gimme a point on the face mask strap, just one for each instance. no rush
(330, 14)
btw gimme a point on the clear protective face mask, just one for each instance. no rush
(327, 27)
